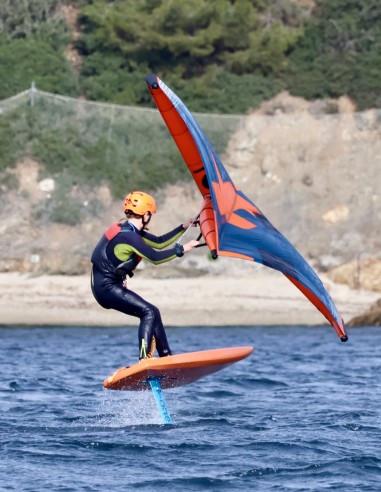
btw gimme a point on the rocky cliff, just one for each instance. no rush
(316, 175)
(314, 169)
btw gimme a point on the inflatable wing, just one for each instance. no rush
(230, 222)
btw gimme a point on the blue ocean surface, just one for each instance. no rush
(302, 413)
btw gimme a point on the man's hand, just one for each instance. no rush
(190, 245)
(190, 222)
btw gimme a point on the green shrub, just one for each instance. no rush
(16, 131)
(222, 56)
(339, 54)
(23, 61)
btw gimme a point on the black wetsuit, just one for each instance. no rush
(116, 255)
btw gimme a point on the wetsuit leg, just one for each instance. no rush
(128, 302)
(152, 325)
(162, 345)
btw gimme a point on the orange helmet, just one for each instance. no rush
(139, 203)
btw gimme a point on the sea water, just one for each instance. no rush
(302, 413)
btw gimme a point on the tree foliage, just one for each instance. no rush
(205, 49)
(221, 56)
(30, 18)
(340, 53)
(33, 36)
(23, 61)
(192, 45)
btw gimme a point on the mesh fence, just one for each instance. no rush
(67, 150)
(127, 147)
(317, 177)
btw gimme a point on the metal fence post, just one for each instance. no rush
(32, 93)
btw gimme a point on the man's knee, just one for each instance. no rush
(151, 312)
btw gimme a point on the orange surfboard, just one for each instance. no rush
(175, 370)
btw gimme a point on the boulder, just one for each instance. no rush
(369, 318)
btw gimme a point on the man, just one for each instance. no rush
(117, 255)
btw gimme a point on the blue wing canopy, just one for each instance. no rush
(242, 229)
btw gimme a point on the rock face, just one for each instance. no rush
(316, 176)
(364, 273)
(370, 318)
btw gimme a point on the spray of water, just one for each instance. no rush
(122, 409)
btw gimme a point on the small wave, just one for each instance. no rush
(190, 484)
(211, 419)
(326, 469)
(269, 383)
(136, 448)
(258, 471)
(221, 393)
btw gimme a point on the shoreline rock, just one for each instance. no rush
(372, 317)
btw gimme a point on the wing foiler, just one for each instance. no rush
(230, 222)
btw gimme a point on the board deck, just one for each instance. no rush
(175, 370)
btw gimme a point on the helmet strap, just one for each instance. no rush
(146, 222)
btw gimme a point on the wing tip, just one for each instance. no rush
(152, 81)
(341, 331)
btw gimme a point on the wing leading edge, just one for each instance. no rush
(241, 228)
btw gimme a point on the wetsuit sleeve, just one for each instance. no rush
(131, 243)
(161, 242)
